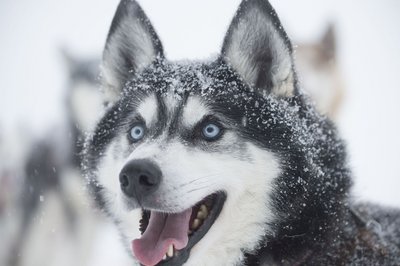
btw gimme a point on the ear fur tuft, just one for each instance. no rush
(258, 49)
(132, 45)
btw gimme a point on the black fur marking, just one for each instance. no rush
(175, 123)
(161, 114)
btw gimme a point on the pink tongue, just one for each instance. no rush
(162, 231)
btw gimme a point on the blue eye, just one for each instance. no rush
(211, 131)
(137, 132)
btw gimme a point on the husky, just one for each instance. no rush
(42, 203)
(319, 72)
(225, 162)
(83, 98)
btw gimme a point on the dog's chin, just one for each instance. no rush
(167, 238)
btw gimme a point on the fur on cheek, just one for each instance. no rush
(244, 219)
(126, 220)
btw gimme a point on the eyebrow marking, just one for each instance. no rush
(193, 112)
(148, 109)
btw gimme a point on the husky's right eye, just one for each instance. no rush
(211, 131)
(137, 132)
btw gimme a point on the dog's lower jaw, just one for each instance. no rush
(230, 237)
(236, 231)
(243, 222)
(226, 252)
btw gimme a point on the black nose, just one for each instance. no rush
(140, 178)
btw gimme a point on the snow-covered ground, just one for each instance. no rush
(32, 76)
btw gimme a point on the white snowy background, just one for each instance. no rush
(32, 76)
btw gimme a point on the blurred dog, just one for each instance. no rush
(44, 207)
(319, 72)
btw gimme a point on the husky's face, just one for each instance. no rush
(179, 153)
(187, 157)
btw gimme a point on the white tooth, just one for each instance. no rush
(165, 257)
(196, 223)
(201, 215)
(170, 251)
(203, 212)
(203, 209)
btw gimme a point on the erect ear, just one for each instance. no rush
(328, 42)
(259, 50)
(132, 45)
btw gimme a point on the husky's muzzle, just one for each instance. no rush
(167, 238)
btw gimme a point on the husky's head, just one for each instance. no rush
(201, 163)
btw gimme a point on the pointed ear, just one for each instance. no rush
(328, 42)
(132, 44)
(257, 47)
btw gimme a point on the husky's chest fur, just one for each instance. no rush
(224, 162)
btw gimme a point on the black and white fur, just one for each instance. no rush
(281, 165)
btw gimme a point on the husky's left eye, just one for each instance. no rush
(211, 131)
(137, 132)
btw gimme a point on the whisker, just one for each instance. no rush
(197, 179)
(199, 188)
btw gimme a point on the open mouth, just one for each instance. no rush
(167, 238)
